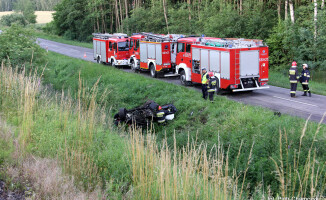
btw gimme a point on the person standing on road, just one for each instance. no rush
(304, 79)
(294, 77)
(204, 83)
(211, 86)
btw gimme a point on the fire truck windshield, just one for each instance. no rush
(123, 46)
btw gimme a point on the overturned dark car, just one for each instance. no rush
(145, 114)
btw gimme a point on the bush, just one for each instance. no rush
(14, 18)
(18, 46)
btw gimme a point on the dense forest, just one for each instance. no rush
(292, 29)
(39, 5)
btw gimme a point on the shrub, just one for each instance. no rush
(14, 18)
(18, 46)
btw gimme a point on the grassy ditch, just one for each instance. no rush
(66, 148)
(226, 122)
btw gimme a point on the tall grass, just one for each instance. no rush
(189, 173)
(307, 180)
(25, 96)
(77, 131)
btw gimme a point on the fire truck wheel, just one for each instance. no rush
(183, 79)
(113, 63)
(133, 66)
(153, 71)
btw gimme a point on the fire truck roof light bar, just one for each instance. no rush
(161, 38)
(108, 35)
(232, 43)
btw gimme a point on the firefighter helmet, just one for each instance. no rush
(211, 74)
(294, 64)
(306, 65)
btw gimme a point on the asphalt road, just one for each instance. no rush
(274, 98)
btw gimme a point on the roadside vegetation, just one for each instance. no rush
(224, 121)
(73, 134)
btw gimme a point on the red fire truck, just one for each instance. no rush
(239, 64)
(154, 54)
(111, 48)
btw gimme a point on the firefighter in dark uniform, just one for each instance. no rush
(294, 77)
(211, 86)
(204, 83)
(304, 79)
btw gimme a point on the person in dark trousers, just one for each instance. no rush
(294, 77)
(304, 79)
(204, 83)
(211, 86)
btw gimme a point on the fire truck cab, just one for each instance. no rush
(134, 51)
(111, 48)
(238, 64)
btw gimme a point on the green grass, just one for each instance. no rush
(281, 79)
(224, 121)
(56, 38)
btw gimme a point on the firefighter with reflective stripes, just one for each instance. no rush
(294, 77)
(304, 79)
(211, 86)
(160, 115)
(204, 83)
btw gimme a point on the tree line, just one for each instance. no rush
(39, 5)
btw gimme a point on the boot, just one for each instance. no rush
(309, 94)
(304, 94)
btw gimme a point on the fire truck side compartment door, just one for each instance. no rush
(98, 47)
(225, 65)
(151, 51)
(214, 61)
(249, 63)
(158, 52)
(204, 59)
(143, 52)
(103, 52)
(195, 54)
(94, 48)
